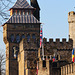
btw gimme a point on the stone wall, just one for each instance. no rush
(62, 49)
(68, 69)
(44, 70)
(27, 57)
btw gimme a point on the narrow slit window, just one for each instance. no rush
(28, 37)
(23, 36)
(12, 38)
(44, 63)
(18, 38)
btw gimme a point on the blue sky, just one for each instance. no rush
(54, 15)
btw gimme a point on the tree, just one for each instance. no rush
(4, 7)
(2, 63)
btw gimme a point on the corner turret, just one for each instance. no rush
(36, 13)
(71, 21)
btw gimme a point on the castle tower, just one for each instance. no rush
(35, 4)
(71, 21)
(21, 24)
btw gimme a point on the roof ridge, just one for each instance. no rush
(22, 4)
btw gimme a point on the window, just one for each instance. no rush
(18, 38)
(22, 13)
(14, 12)
(33, 36)
(17, 12)
(29, 12)
(44, 63)
(23, 36)
(26, 13)
(12, 38)
(28, 37)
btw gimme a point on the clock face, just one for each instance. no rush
(18, 38)
(12, 38)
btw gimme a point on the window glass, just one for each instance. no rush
(26, 13)
(14, 12)
(28, 37)
(17, 12)
(44, 63)
(22, 12)
(18, 38)
(33, 36)
(23, 36)
(12, 38)
(29, 12)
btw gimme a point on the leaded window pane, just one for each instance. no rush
(23, 36)
(12, 38)
(28, 37)
(18, 38)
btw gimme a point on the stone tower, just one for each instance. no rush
(21, 24)
(35, 4)
(71, 21)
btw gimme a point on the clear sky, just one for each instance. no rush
(54, 15)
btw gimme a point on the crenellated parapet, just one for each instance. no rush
(61, 49)
(71, 17)
(68, 69)
(64, 44)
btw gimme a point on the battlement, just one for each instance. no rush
(62, 49)
(71, 13)
(57, 40)
(68, 69)
(71, 17)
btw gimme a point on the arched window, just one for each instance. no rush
(33, 36)
(18, 38)
(23, 36)
(12, 38)
(28, 37)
